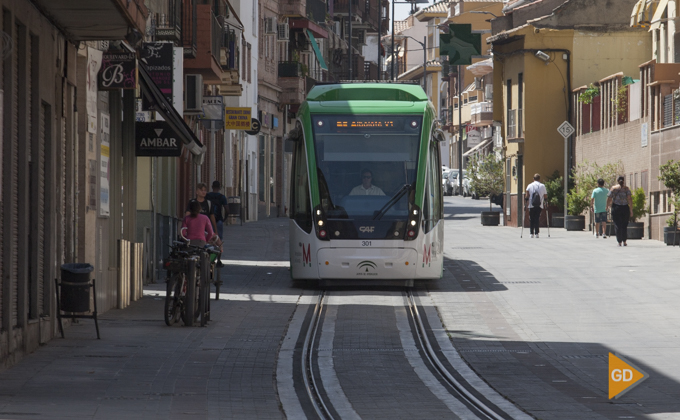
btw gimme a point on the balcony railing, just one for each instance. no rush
(481, 107)
(169, 25)
(189, 32)
(216, 37)
(230, 58)
(370, 71)
(512, 124)
(290, 69)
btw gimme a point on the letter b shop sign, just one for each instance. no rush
(156, 139)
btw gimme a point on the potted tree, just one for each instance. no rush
(577, 203)
(486, 178)
(669, 174)
(555, 192)
(636, 229)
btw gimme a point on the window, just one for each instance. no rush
(432, 204)
(301, 210)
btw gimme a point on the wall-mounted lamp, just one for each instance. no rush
(543, 56)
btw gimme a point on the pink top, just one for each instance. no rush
(198, 227)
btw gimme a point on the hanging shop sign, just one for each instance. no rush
(118, 71)
(237, 118)
(254, 127)
(159, 64)
(213, 108)
(156, 139)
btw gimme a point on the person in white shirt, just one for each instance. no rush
(535, 188)
(366, 187)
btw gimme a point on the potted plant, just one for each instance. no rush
(577, 203)
(636, 229)
(486, 176)
(555, 192)
(669, 174)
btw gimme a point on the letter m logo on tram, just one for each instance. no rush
(426, 255)
(306, 255)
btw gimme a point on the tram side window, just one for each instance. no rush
(432, 204)
(301, 210)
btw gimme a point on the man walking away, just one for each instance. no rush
(598, 204)
(534, 198)
(220, 209)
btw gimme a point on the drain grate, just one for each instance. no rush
(493, 351)
(584, 356)
(518, 282)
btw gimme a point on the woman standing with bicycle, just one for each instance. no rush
(196, 227)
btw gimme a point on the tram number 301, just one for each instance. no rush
(365, 243)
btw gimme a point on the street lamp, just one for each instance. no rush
(424, 45)
(413, 5)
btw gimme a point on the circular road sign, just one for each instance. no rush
(254, 127)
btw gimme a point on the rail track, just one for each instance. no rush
(322, 404)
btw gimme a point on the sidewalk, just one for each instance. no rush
(538, 317)
(142, 369)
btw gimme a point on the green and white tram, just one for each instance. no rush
(366, 197)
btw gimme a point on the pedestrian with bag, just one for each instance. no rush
(220, 210)
(621, 202)
(598, 204)
(535, 198)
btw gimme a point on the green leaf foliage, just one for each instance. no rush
(554, 187)
(486, 175)
(577, 202)
(587, 96)
(669, 174)
(639, 205)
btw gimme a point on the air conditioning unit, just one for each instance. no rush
(488, 92)
(193, 93)
(284, 31)
(270, 25)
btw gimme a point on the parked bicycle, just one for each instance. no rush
(190, 271)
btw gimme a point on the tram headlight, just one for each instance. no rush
(320, 222)
(413, 223)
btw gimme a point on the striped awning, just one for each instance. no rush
(643, 12)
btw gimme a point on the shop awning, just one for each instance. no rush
(315, 47)
(642, 14)
(169, 113)
(480, 146)
(658, 14)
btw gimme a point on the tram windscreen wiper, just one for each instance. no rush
(396, 197)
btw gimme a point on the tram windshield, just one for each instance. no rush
(366, 165)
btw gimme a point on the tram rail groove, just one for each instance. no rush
(313, 390)
(433, 359)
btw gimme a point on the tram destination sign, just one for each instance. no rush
(373, 123)
(156, 139)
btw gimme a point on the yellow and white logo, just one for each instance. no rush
(623, 376)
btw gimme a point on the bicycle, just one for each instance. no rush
(181, 295)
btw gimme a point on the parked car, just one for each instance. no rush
(452, 184)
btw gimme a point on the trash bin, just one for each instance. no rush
(234, 204)
(75, 287)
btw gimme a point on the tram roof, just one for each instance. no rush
(367, 91)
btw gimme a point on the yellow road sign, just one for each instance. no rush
(237, 118)
(623, 376)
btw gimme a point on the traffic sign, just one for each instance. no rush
(254, 127)
(623, 376)
(565, 129)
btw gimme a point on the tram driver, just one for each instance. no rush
(366, 187)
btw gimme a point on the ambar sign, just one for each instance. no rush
(156, 139)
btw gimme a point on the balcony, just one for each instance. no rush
(209, 41)
(169, 25)
(189, 32)
(293, 8)
(290, 69)
(294, 90)
(114, 18)
(481, 114)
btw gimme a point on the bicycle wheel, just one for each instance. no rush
(172, 298)
(217, 280)
(202, 305)
(191, 298)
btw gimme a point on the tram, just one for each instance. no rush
(366, 197)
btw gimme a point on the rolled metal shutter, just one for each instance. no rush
(41, 211)
(2, 180)
(13, 185)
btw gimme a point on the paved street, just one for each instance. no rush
(535, 318)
